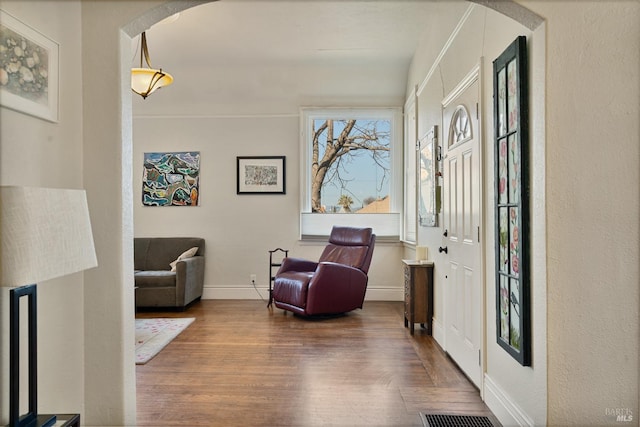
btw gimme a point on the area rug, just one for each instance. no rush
(152, 335)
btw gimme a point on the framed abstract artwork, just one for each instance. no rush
(261, 175)
(171, 179)
(511, 117)
(28, 69)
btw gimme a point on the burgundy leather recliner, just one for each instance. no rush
(335, 284)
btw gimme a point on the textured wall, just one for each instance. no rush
(592, 209)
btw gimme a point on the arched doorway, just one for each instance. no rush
(106, 122)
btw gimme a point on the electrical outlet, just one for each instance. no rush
(252, 278)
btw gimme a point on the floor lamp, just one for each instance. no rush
(45, 233)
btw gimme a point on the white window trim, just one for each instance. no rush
(410, 230)
(384, 225)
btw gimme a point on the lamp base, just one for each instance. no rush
(41, 420)
(46, 420)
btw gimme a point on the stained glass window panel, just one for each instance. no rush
(514, 169)
(512, 95)
(502, 103)
(504, 240)
(514, 243)
(503, 177)
(510, 112)
(504, 308)
(514, 316)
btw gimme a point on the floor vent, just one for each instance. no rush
(440, 420)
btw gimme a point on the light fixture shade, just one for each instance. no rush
(144, 81)
(45, 233)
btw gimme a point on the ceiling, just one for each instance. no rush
(232, 55)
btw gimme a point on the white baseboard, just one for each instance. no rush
(384, 294)
(437, 331)
(505, 409)
(373, 294)
(234, 293)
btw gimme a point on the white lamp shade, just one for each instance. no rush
(45, 233)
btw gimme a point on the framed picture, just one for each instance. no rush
(171, 179)
(261, 175)
(28, 70)
(511, 119)
(427, 177)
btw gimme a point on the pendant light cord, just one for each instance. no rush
(144, 51)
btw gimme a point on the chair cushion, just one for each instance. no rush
(155, 279)
(291, 287)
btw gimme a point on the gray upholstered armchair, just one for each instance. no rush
(156, 284)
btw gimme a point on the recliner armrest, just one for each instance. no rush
(297, 264)
(336, 288)
(327, 270)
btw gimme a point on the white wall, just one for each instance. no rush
(34, 152)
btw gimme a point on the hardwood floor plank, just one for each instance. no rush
(240, 363)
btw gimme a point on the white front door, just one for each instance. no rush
(463, 286)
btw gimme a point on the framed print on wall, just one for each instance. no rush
(28, 69)
(511, 130)
(261, 175)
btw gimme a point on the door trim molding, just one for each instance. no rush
(467, 81)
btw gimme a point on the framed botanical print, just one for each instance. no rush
(511, 117)
(28, 69)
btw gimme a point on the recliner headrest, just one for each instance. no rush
(350, 236)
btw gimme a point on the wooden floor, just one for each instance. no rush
(241, 364)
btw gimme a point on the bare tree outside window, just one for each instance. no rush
(350, 163)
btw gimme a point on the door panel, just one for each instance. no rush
(463, 321)
(467, 196)
(452, 192)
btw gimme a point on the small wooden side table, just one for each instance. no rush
(418, 294)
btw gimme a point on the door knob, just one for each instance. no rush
(445, 249)
(446, 233)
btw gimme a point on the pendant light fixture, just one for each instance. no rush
(144, 81)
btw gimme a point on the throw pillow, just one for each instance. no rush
(186, 254)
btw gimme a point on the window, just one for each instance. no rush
(351, 170)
